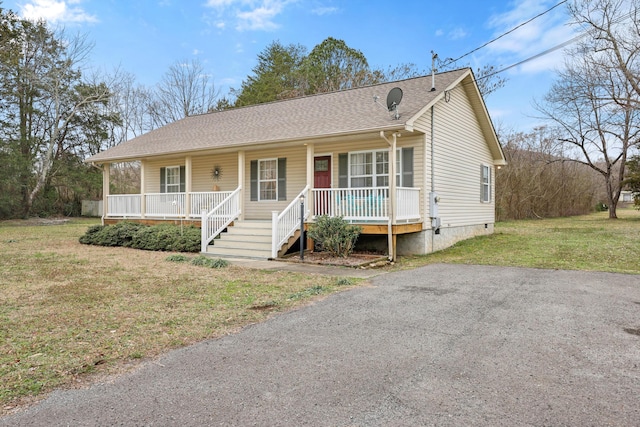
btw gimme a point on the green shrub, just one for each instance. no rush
(164, 237)
(177, 258)
(344, 281)
(205, 261)
(120, 234)
(334, 235)
(601, 207)
(90, 236)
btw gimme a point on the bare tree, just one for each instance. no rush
(613, 27)
(185, 90)
(592, 102)
(536, 183)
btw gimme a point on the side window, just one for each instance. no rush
(485, 184)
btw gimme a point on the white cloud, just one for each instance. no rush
(249, 14)
(537, 36)
(457, 34)
(55, 11)
(325, 11)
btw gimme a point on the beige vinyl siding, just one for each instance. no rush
(201, 172)
(335, 149)
(460, 150)
(416, 141)
(152, 173)
(296, 179)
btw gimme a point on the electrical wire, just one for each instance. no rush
(553, 49)
(451, 61)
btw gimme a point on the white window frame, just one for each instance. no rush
(485, 183)
(261, 181)
(172, 171)
(374, 175)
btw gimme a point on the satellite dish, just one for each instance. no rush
(393, 98)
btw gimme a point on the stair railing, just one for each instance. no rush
(212, 223)
(285, 224)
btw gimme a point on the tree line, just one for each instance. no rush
(55, 110)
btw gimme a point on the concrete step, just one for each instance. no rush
(248, 231)
(246, 239)
(252, 224)
(233, 244)
(237, 237)
(238, 252)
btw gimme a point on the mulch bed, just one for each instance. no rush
(355, 260)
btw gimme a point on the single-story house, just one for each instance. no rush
(246, 175)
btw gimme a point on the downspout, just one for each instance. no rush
(104, 198)
(433, 185)
(392, 191)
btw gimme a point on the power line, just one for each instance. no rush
(557, 47)
(451, 61)
(531, 58)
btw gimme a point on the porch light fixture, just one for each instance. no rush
(216, 172)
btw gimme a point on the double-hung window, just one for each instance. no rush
(172, 179)
(485, 184)
(268, 179)
(371, 168)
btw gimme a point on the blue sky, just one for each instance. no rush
(144, 37)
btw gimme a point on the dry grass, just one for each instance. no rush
(69, 312)
(589, 242)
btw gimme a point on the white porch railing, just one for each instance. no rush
(206, 201)
(219, 218)
(165, 205)
(407, 204)
(285, 224)
(366, 204)
(124, 205)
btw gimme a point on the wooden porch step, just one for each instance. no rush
(245, 239)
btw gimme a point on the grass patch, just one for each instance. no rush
(590, 242)
(70, 311)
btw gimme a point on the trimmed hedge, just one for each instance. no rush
(163, 237)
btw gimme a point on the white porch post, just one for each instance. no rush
(187, 185)
(143, 199)
(310, 181)
(241, 184)
(391, 239)
(106, 174)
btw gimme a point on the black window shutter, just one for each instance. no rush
(183, 179)
(254, 180)
(407, 167)
(282, 179)
(163, 174)
(343, 170)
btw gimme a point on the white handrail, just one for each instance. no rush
(287, 222)
(213, 222)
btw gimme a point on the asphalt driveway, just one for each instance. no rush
(443, 345)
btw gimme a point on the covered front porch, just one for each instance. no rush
(214, 211)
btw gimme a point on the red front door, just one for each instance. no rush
(322, 172)
(322, 179)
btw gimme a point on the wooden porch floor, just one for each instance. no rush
(367, 228)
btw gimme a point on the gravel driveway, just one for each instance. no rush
(443, 345)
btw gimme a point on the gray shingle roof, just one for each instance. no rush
(305, 118)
